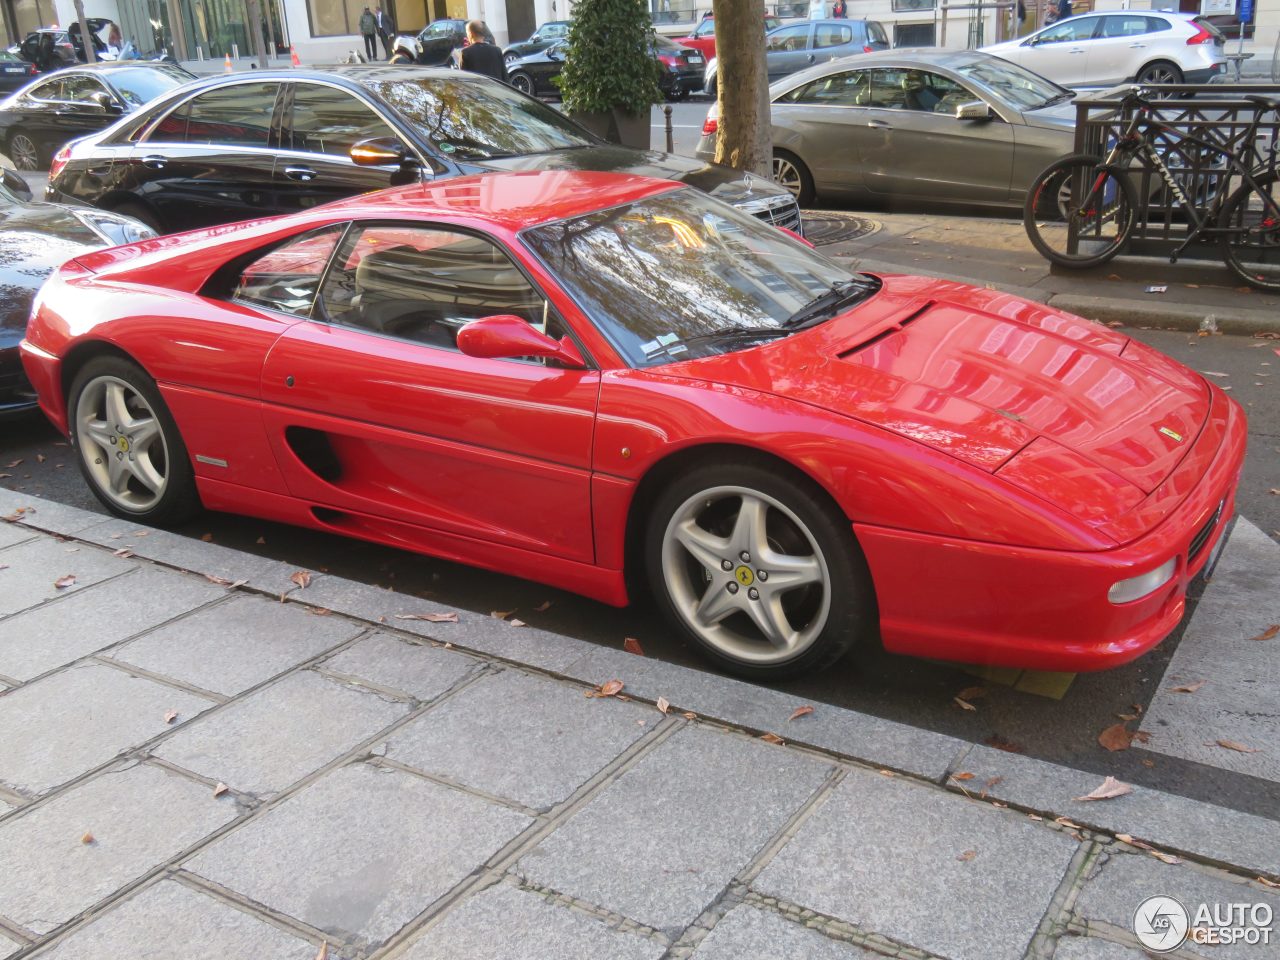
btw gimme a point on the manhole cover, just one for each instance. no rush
(822, 227)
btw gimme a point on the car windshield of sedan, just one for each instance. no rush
(1016, 86)
(478, 119)
(680, 275)
(139, 85)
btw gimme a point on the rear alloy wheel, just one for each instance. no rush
(759, 569)
(789, 171)
(129, 447)
(510, 58)
(522, 82)
(23, 152)
(1162, 71)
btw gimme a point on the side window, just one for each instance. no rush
(1070, 31)
(424, 284)
(876, 32)
(788, 38)
(556, 32)
(1156, 25)
(288, 278)
(932, 92)
(238, 115)
(81, 89)
(885, 90)
(49, 90)
(837, 90)
(329, 120)
(832, 35)
(707, 28)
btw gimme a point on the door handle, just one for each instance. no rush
(300, 173)
(99, 171)
(154, 162)
(878, 125)
(1077, 50)
(811, 58)
(1137, 46)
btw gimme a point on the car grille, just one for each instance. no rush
(781, 211)
(1204, 533)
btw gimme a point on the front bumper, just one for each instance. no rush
(1046, 609)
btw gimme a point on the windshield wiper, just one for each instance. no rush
(825, 305)
(738, 333)
(1065, 95)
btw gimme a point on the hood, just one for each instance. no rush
(996, 381)
(722, 183)
(35, 238)
(1060, 116)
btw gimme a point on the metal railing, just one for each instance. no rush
(1218, 113)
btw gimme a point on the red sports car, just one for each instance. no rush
(583, 378)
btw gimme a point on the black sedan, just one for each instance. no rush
(680, 69)
(15, 72)
(247, 145)
(41, 117)
(36, 238)
(543, 37)
(439, 38)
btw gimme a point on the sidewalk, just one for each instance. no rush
(208, 754)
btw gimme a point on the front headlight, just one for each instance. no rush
(1135, 588)
(113, 228)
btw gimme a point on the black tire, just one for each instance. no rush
(1160, 72)
(1254, 255)
(1102, 230)
(141, 213)
(25, 153)
(522, 82)
(789, 171)
(821, 617)
(176, 499)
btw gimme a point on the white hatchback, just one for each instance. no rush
(1103, 49)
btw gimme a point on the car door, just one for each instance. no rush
(1061, 52)
(210, 159)
(920, 150)
(1120, 48)
(322, 123)
(33, 117)
(825, 123)
(546, 65)
(81, 108)
(787, 50)
(832, 40)
(374, 412)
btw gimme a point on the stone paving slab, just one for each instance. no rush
(11, 533)
(501, 920)
(1120, 882)
(750, 933)
(858, 735)
(8, 947)
(360, 852)
(70, 722)
(33, 567)
(680, 824)
(58, 518)
(416, 669)
(520, 737)
(277, 735)
(169, 920)
(1090, 948)
(922, 867)
(138, 817)
(1215, 833)
(56, 633)
(240, 643)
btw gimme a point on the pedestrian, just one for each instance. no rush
(1064, 9)
(480, 56)
(369, 31)
(386, 30)
(840, 10)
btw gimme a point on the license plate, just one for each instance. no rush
(695, 58)
(14, 70)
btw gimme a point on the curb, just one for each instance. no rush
(1173, 316)
(1214, 835)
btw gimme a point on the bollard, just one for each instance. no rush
(671, 144)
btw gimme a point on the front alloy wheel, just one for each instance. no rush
(24, 153)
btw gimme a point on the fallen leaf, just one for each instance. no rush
(223, 581)
(1190, 687)
(991, 783)
(799, 712)
(610, 688)
(1109, 790)
(689, 715)
(1116, 323)
(13, 464)
(1269, 883)
(450, 617)
(1268, 633)
(1116, 737)
(5, 476)
(516, 623)
(319, 611)
(170, 716)
(1067, 823)
(220, 788)
(632, 645)
(962, 776)
(87, 838)
(1214, 373)
(965, 704)
(1126, 716)
(543, 607)
(500, 614)
(207, 538)
(122, 552)
(260, 541)
(967, 856)
(972, 693)
(237, 583)
(1000, 743)
(41, 458)
(302, 578)
(66, 581)
(772, 738)
(1232, 745)
(663, 704)
(1142, 736)
(1032, 816)
(324, 951)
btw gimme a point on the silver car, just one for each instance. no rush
(922, 125)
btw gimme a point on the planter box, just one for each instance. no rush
(617, 127)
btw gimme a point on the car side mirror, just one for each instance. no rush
(378, 152)
(503, 336)
(105, 101)
(976, 110)
(16, 185)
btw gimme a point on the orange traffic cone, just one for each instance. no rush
(293, 56)
(226, 64)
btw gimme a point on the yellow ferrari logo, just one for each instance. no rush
(123, 444)
(744, 576)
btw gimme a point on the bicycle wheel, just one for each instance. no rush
(1078, 212)
(1252, 248)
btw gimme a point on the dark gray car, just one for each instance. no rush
(916, 125)
(798, 45)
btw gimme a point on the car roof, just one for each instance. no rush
(910, 57)
(347, 75)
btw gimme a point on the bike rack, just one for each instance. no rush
(1218, 113)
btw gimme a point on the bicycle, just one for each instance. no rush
(1090, 231)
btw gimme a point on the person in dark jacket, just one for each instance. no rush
(840, 10)
(369, 30)
(479, 56)
(386, 29)
(1064, 9)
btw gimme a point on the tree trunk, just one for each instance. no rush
(744, 140)
(86, 38)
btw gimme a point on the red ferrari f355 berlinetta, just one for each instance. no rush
(594, 380)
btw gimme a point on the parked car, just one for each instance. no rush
(37, 120)
(1103, 49)
(586, 379)
(543, 37)
(52, 48)
(680, 69)
(237, 146)
(440, 38)
(952, 126)
(14, 71)
(35, 238)
(703, 38)
(798, 45)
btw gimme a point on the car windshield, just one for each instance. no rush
(479, 119)
(681, 275)
(1016, 86)
(139, 85)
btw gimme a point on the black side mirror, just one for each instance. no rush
(16, 185)
(106, 102)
